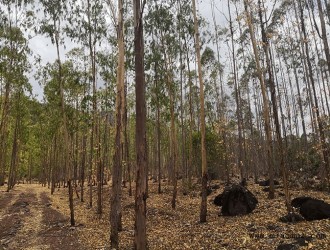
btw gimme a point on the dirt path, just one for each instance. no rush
(29, 221)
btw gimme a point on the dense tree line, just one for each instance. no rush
(153, 89)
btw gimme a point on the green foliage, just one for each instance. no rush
(214, 152)
(208, 57)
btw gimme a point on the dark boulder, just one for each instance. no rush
(297, 202)
(267, 182)
(311, 208)
(236, 200)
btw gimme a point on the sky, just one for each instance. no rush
(42, 45)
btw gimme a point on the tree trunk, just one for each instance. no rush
(268, 57)
(14, 158)
(324, 33)
(115, 213)
(92, 160)
(265, 101)
(238, 102)
(140, 238)
(325, 151)
(203, 210)
(83, 165)
(72, 220)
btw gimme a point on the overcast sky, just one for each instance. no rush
(43, 47)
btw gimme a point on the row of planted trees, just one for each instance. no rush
(127, 100)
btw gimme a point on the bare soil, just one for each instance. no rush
(30, 218)
(28, 221)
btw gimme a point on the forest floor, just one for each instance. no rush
(31, 218)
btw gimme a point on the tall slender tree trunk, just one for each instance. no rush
(3, 133)
(83, 166)
(158, 129)
(237, 99)
(325, 150)
(14, 158)
(173, 149)
(70, 188)
(324, 33)
(140, 238)
(203, 210)
(268, 57)
(191, 119)
(298, 16)
(93, 147)
(267, 123)
(115, 213)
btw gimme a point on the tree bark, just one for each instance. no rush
(203, 210)
(268, 57)
(267, 123)
(140, 238)
(325, 150)
(72, 220)
(115, 213)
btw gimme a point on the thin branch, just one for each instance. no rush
(113, 12)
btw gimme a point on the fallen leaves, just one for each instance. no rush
(180, 228)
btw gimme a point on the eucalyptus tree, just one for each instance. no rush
(47, 77)
(158, 98)
(17, 136)
(48, 124)
(237, 98)
(161, 27)
(210, 66)
(14, 51)
(115, 213)
(274, 98)
(320, 122)
(183, 130)
(324, 33)
(91, 23)
(34, 146)
(246, 74)
(203, 211)
(169, 50)
(51, 26)
(80, 65)
(317, 60)
(73, 87)
(140, 236)
(267, 123)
